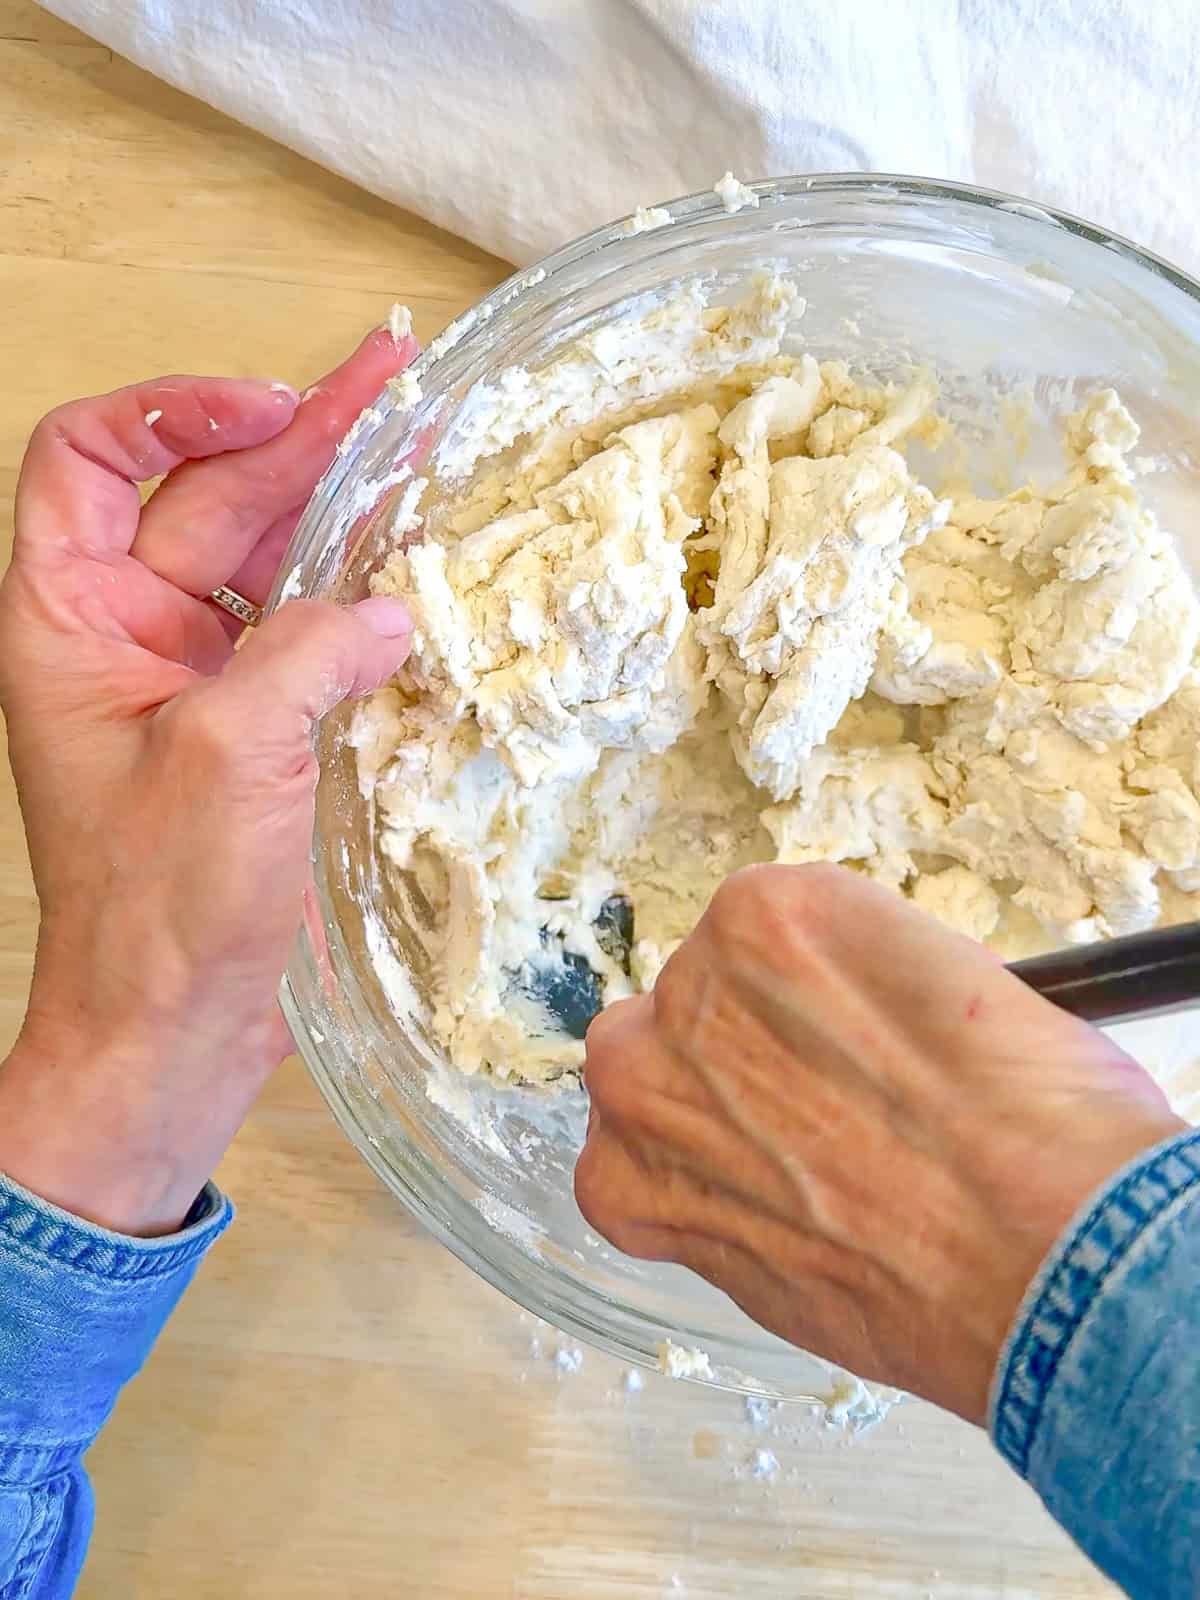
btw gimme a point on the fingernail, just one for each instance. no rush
(388, 618)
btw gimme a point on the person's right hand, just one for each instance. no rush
(857, 1124)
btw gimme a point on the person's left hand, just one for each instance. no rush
(166, 781)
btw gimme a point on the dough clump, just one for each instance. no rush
(681, 605)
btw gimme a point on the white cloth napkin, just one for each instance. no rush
(519, 123)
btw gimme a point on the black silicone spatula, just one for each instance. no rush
(562, 981)
(1142, 974)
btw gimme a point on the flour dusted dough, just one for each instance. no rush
(682, 606)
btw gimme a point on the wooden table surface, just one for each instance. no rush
(339, 1407)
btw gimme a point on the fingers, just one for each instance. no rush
(254, 578)
(205, 521)
(614, 1033)
(606, 1171)
(77, 491)
(300, 664)
(256, 575)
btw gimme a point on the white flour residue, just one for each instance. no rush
(856, 1404)
(400, 322)
(680, 1361)
(293, 585)
(405, 390)
(448, 1091)
(393, 973)
(733, 193)
(759, 1411)
(646, 218)
(507, 1220)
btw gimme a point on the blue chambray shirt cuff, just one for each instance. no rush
(1084, 1266)
(29, 1223)
(80, 1309)
(1096, 1399)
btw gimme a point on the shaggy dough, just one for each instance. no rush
(681, 606)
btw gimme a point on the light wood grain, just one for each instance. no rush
(339, 1408)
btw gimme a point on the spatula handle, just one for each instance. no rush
(1140, 975)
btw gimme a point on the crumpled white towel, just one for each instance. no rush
(519, 123)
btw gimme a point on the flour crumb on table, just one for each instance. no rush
(854, 1405)
(682, 605)
(758, 1411)
(764, 1465)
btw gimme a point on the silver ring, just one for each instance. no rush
(237, 605)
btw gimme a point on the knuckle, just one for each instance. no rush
(51, 425)
(823, 881)
(313, 620)
(61, 426)
(618, 1041)
(303, 611)
(775, 914)
(603, 1071)
(595, 1193)
(623, 1235)
(589, 1186)
(598, 1194)
(675, 989)
(747, 907)
(622, 1095)
(7, 633)
(742, 891)
(600, 1039)
(329, 635)
(821, 898)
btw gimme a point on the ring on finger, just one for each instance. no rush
(237, 605)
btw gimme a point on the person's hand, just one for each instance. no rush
(856, 1123)
(166, 781)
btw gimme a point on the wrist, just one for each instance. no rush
(68, 1136)
(121, 1123)
(1023, 1226)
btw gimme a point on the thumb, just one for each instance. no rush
(306, 659)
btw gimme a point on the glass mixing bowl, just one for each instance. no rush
(1009, 303)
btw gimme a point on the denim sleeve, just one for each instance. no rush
(79, 1310)
(1096, 1399)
